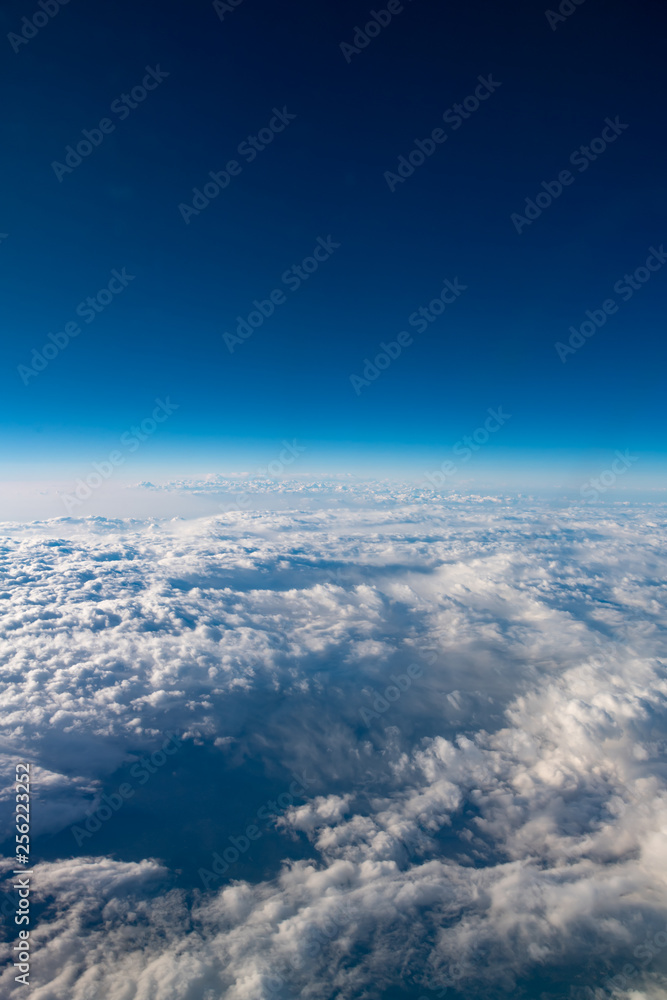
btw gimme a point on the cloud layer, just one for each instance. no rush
(474, 687)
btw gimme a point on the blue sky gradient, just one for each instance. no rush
(323, 176)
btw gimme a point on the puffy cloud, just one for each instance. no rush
(492, 819)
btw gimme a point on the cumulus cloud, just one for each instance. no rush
(475, 686)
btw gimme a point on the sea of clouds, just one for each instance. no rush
(495, 826)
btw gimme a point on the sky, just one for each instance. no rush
(326, 179)
(334, 461)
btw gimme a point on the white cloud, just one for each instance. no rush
(503, 818)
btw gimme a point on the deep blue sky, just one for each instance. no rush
(324, 175)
